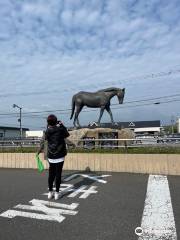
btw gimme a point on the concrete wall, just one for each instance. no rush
(168, 164)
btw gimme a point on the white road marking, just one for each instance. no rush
(158, 219)
(51, 214)
(85, 194)
(71, 206)
(14, 213)
(54, 211)
(94, 178)
(65, 188)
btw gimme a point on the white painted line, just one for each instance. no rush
(68, 188)
(51, 214)
(65, 188)
(94, 178)
(158, 218)
(14, 213)
(88, 192)
(71, 206)
(82, 189)
(46, 210)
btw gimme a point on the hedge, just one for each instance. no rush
(132, 150)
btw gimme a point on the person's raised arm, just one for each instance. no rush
(41, 148)
(64, 129)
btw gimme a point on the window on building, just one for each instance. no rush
(1, 135)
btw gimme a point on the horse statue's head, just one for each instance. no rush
(120, 95)
(116, 91)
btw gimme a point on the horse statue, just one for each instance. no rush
(100, 99)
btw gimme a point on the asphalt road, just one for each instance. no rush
(99, 211)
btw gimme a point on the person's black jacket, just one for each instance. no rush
(56, 145)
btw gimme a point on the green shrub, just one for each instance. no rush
(132, 150)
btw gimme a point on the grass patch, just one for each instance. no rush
(19, 150)
(135, 150)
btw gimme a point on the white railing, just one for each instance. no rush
(101, 143)
(121, 143)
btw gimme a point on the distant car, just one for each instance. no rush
(171, 138)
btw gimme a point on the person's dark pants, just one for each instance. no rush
(55, 171)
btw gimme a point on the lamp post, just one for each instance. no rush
(20, 118)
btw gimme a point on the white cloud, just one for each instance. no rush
(67, 17)
(37, 9)
(87, 45)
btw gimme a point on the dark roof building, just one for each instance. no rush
(131, 125)
(11, 132)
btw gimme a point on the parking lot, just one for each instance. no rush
(94, 206)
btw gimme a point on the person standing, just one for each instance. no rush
(55, 135)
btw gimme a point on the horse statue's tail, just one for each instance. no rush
(73, 107)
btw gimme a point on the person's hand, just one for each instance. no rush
(59, 123)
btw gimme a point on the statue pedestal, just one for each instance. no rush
(98, 133)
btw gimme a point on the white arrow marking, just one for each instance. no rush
(158, 219)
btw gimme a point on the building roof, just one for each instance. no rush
(131, 125)
(13, 128)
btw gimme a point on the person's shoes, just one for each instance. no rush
(50, 195)
(57, 195)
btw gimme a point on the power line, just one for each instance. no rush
(151, 75)
(146, 104)
(120, 107)
(149, 99)
(66, 111)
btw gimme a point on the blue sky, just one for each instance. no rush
(53, 49)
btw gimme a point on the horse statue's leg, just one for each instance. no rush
(110, 113)
(75, 119)
(74, 122)
(78, 110)
(78, 121)
(101, 113)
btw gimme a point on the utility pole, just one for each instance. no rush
(172, 124)
(20, 119)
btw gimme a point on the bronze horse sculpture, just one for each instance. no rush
(100, 99)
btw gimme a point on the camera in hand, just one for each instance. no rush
(59, 122)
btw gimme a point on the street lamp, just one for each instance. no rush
(20, 118)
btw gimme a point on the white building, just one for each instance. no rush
(148, 130)
(178, 125)
(34, 134)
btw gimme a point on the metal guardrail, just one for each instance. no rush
(20, 143)
(130, 143)
(102, 143)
